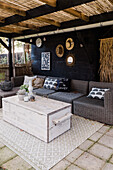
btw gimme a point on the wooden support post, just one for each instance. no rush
(13, 55)
(10, 61)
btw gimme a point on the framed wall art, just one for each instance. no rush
(45, 61)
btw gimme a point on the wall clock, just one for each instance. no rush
(38, 42)
(69, 44)
(60, 50)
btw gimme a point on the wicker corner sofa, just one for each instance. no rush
(95, 109)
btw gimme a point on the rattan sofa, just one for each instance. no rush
(95, 109)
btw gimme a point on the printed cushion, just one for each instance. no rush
(38, 82)
(97, 93)
(63, 84)
(51, 83)
(26, 79)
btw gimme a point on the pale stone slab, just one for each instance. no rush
(107, 140)
(73, 167)
(104, 129)
(96, 136)
(84, 146)
(5, 155)
(101, 151)
(16, 164)
(74, 155)
(89, 162)
(1, 145)
(108, 166)
(61, 165)
(110, 132)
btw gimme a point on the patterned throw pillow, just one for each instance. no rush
(63, 84)
(97, 93)
(38, 82)
(51, 83)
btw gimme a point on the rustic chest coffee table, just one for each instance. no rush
(45, 118)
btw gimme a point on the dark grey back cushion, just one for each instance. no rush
(100, 85)
(79, 86)
(17, 81)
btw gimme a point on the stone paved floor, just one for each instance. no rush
(96, 153)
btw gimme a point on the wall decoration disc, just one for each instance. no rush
(38, 42)
(70, 60)
(60, 50)
(69, 44)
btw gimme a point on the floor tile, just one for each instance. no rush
(96, 136)
(5, 155)
(74, 155)
(101, 151)
(16, 164)
(89, 162)
(111, 160)
(73, 167)
(108, 166)
(110, 132)
(1, 145)
(84, 146)
(103, 129)
(61, 165)
(107, 140)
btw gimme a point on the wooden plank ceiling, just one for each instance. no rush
(33, 16)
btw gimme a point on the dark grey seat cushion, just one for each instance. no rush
(89, 101)
(65, 96)
(43, 92)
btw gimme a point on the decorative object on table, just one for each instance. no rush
(60, 50)
(45, 61)
(32, 98)
(38, 42)
(69, 44)
(21, 94)
(6, 85)
(26, 98)
(70, 60)
(30, 88)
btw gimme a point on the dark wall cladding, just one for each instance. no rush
(87, 57)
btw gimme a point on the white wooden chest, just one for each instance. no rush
(45, 118)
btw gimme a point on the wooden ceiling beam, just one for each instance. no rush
(50, 2)
(50, 21)
(12, 30)
(30, 26)
(77, 14)
(2, 19)
(12, 9)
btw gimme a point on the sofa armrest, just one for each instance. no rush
(17, 81)
(108, 100)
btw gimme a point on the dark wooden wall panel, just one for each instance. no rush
(87, 57)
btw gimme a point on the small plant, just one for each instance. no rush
(21, 92)
(24, 87)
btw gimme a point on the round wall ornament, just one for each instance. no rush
(70, 60)
(38, 42)
(69, 44)
(60, 50)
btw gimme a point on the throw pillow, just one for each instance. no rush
(26, 80)
(63, 84)
(50, 83)
(38, 82)
(97, 93)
